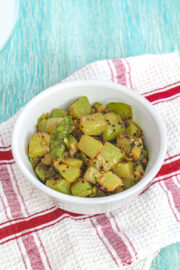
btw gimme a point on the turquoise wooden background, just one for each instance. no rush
(53, 38)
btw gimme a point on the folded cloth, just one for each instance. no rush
(37, 235)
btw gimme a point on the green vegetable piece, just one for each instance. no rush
(125, 143)
(72, 145)
(42, 125)
(136, 150)
(138, 172)
(95, 106)
(109, 181)
(90, 162)
(102, 109)
(74, 162)
(128, 182)
(133, 130)
(113, 127)
(100, 193)
(123, 109)
(144, 153)
(91, 175)
(144, 157)
(110, 155)
(80, 107)
(47, 159)
(68, 172)
(34, 161)
(58, 173)
(44, 116)
(81, 188)
(95, 163)
(85, 159)
(52, 123)
(93, 193)
(124, 140)
(93, 124)
(39, 144)
(60, 132)
(41, 171)
(90, 146)
(58, 113)
(60, 185)
(117, 190)
(132, 147)
(76, 132)
(144, 162)
(52, 174)
(124, 169)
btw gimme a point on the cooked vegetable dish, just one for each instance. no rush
(88, 151)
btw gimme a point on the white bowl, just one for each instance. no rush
(62, 95)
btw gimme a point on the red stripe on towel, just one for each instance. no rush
(6, 155)
(95, 227)
(120, 71)
(169, 202)
(163, 95)
(36, 228)
(169, 158)
(34, 256)
(4, 147)
(112, 75)
(28, 217)
(118, 229)
(129, 72)
(22, 198)
(15, 208)
(114, 240)
(175, 192)
(159, 181)
(169, 168)
(31, 223)
(162, 88)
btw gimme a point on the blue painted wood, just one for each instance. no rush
(168, 259)
(54, 38)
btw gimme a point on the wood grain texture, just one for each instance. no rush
(54, 38)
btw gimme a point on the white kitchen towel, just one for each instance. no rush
(36, 235)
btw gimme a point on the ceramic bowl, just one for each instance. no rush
(62, 95)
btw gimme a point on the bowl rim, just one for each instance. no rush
(80, 200)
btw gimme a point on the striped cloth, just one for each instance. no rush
(37, 235)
